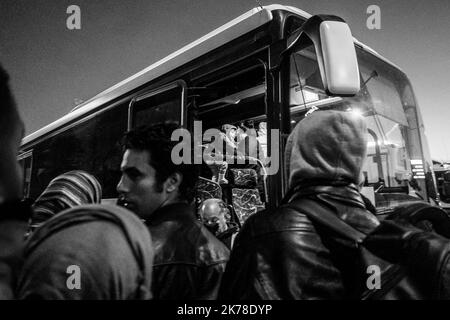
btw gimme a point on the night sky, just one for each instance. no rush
(51, 66)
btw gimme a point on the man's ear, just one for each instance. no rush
(173, 182)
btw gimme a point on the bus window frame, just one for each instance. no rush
(23, 157)
(170, 86)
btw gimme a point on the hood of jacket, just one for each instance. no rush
(327, 148)
(109, 245)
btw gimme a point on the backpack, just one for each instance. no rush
(406, 257)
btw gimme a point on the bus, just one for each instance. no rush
(268, 67)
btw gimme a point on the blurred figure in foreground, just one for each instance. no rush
(111, 248)
(89, 252)
(14, 214)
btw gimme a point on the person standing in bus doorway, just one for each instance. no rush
(189, 261)
(248, 144)
(283, 254)
(262, 137)
(217, 160)
(14, 214)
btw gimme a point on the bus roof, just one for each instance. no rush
(237, 27)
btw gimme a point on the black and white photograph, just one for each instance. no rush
(220, 155)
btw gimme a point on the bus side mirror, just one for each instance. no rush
(339, 59)
(335, 50)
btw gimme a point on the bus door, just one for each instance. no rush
(232, 100)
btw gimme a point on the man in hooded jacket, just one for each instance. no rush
(281, 254)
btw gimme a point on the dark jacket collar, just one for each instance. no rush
(347, 193)
(171, 212)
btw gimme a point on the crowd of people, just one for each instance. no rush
(155, 244)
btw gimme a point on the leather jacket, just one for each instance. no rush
(283, 255)
(13, 225)
(189, 261)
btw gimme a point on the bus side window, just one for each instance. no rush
(163, 104)
(93, 146)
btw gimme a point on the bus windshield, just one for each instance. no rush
(385, 100)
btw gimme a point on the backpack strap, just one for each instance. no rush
(324, 216)
(318, 213)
